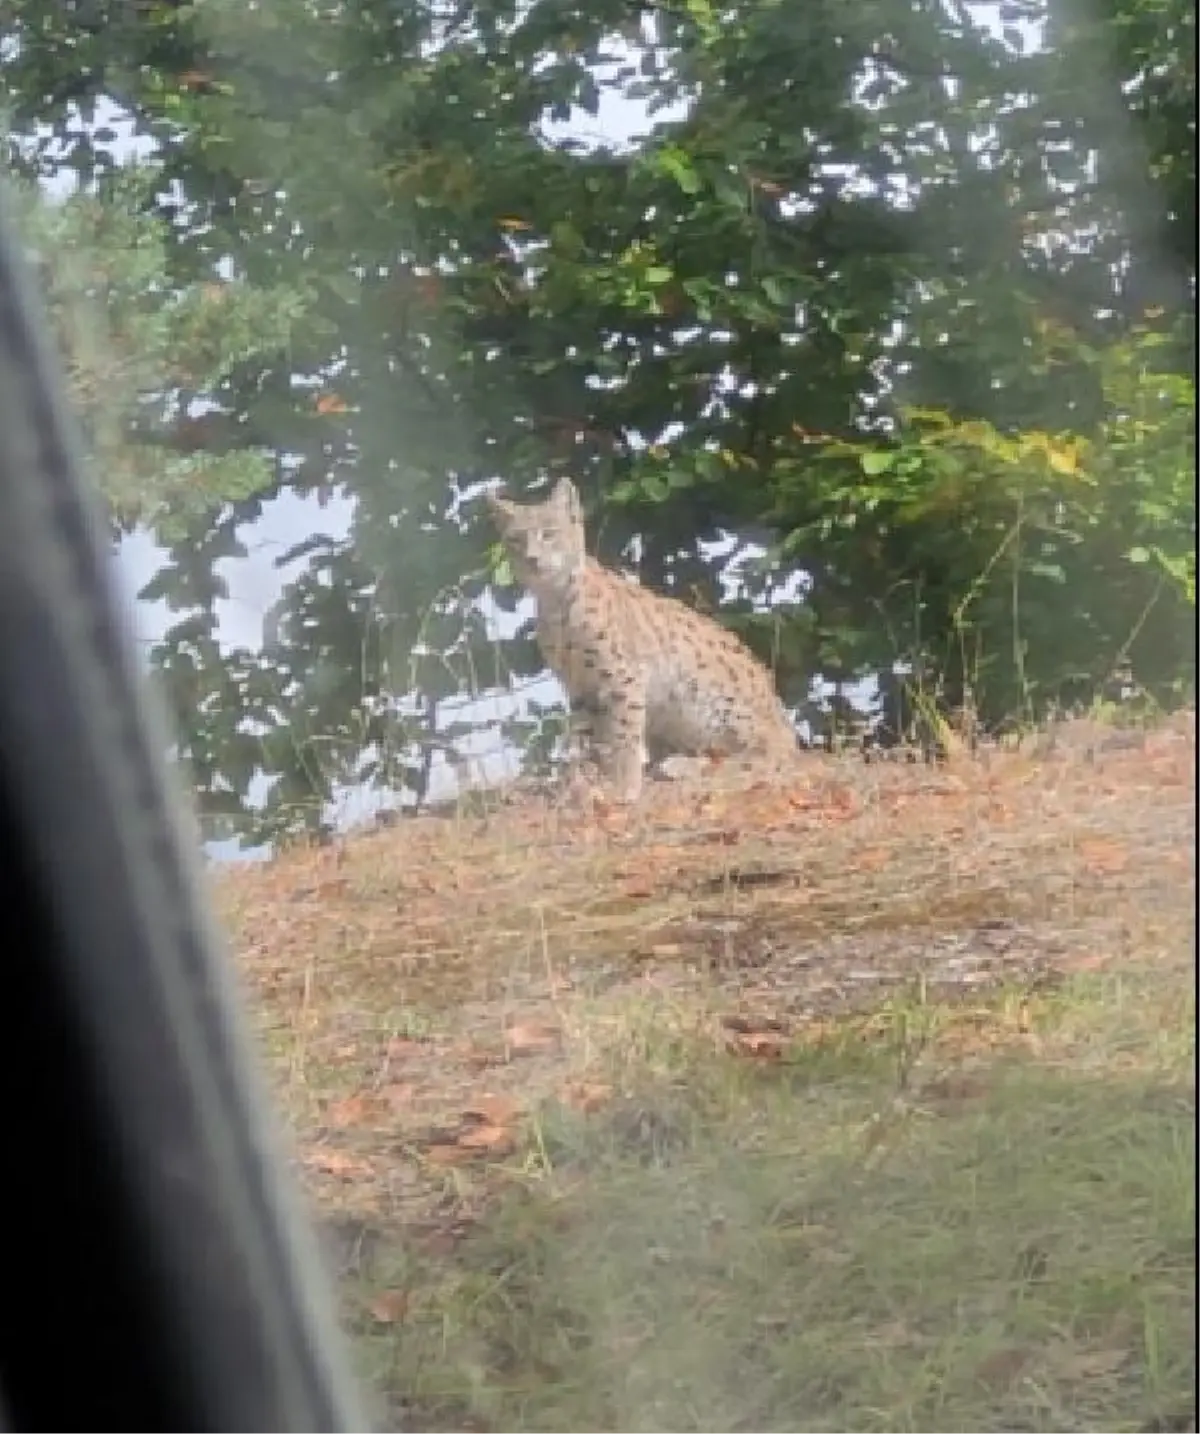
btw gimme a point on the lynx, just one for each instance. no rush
(645, 675)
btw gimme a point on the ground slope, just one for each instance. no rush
(865, 1101)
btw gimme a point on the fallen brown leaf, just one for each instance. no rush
(337, 1162)
(493, 1139)
(761, 1045)
(390, 1307)
(350, 1110)
(494, 1109)
(442, 1154)
(525, 1038)
(753, 1025)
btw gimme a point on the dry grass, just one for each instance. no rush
(860, 1101)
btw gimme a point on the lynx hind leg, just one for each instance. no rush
(620, 740)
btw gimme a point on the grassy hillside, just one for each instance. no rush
(863, 1100)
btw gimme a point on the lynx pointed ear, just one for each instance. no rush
(495, 504)
(565, 495)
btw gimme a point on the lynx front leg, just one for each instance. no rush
(581, 734)
(619, 731)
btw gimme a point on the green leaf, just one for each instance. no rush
(672, 160)
(877, 461)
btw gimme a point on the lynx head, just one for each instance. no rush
(544, 540)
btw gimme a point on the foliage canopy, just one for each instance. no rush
(900, 304)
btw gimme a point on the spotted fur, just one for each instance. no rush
(644, 674)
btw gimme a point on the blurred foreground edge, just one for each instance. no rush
(156, 1271)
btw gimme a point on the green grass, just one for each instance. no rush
(898, 1135)
(848, 1239)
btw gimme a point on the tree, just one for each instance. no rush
(144, 359)
(861, 211)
